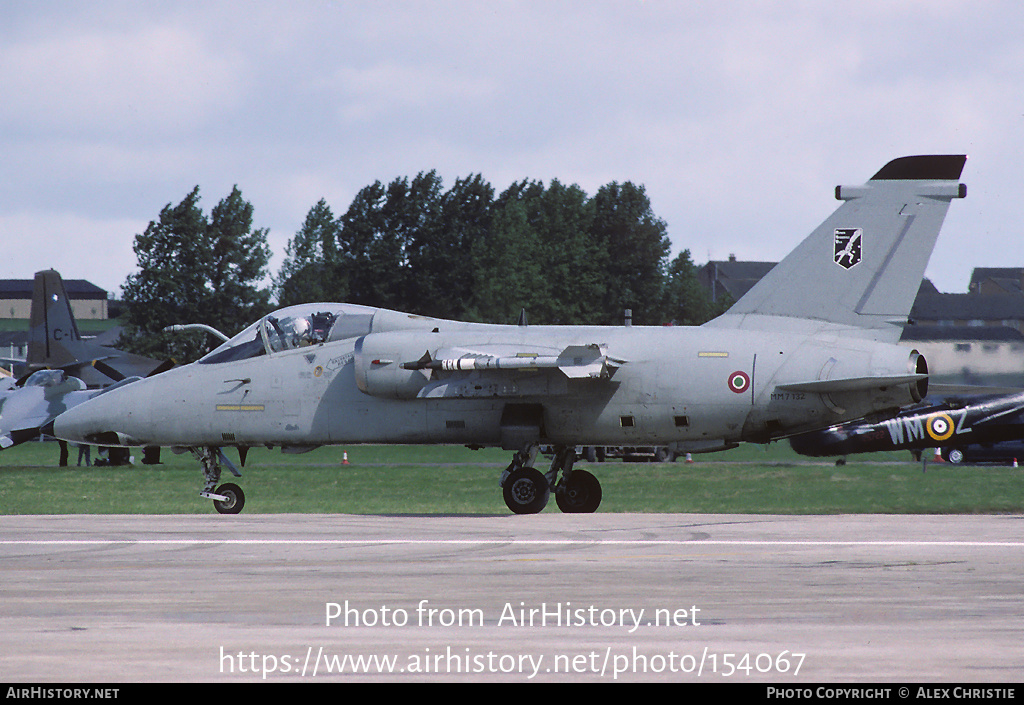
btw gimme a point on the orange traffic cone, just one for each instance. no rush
(344, 458)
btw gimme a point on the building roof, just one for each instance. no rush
(1008, 279)
(739, 269)
(967, 334)
(967, 307)
(77, 289)
(734, 276)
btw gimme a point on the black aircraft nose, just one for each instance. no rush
(815, 443)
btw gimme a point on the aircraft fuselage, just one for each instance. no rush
(694, 387)
(953, 423)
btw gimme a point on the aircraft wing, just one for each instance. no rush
(28, 411)
(1000, 413)
(851, 384)
(25, 409)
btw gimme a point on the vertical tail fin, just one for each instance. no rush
(863, 266)
(53, 333)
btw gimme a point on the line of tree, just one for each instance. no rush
(466, 253)
(463, 253)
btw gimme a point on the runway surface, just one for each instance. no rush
(552, 598)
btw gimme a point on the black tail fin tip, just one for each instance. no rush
(930, 167)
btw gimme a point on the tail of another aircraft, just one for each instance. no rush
(54, 340)
(862, 267)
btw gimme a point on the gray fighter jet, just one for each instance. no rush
(39, 399)
(55, 351)
(28, 407)
(814, 343)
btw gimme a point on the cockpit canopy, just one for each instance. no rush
(294, 327)
(46, 378)
(53, 378)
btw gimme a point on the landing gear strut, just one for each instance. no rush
(526, 490)
(228, 498)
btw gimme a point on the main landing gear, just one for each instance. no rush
(228, 498)
(526, 490)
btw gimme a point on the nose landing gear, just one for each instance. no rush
(234, 498)
(228, 498)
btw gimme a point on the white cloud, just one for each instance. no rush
(78, 247)
(151, 80)
(738, 117)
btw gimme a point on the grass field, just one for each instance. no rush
(437, 480)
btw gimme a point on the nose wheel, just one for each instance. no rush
(227, 498)
(234, 499)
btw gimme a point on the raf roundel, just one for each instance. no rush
(739, 382)
(940, 427)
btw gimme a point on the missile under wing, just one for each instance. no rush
(812, 345)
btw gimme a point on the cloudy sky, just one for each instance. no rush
(739, 117)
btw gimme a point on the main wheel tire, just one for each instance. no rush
(526, 491)
(581, 494)
(664, 455)
(235, 501)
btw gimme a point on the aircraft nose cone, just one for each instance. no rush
(817, 443)
(80, 422)
(107, 419)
